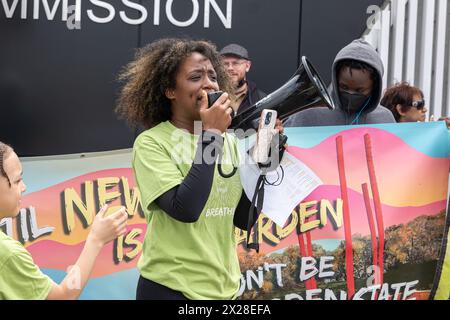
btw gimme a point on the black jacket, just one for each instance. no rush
(253, 96)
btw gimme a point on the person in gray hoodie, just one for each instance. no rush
(357, 75)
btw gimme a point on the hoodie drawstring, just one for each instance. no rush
(356, 120)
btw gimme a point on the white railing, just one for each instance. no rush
(413, 39)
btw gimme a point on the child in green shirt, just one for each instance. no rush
(20, 278)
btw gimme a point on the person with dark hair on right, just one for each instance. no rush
(357, 75)
(406, 103)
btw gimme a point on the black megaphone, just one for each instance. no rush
(303, 91)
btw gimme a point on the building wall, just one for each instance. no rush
(413, 38)
(58, 83)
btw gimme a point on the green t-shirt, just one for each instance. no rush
(198, 259)
(20, 278)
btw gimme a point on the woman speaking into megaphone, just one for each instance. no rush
(189, 250)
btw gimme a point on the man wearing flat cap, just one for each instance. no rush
(237, 64)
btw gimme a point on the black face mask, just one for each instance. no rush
(353, 102)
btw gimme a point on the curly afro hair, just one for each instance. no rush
(142, 101)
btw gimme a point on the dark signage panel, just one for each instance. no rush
(59, 60)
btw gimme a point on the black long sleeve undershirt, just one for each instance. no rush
(186, 201)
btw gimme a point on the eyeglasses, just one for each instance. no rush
(419, 105)
(233, 64)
